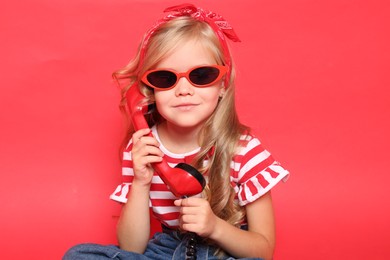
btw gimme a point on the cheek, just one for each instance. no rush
(211, 97)
(212, 102)
(161, 99)
(161, 96)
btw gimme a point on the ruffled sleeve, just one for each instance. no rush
(255, 172)
(120, 193)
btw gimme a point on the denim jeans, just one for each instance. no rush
(163, 246)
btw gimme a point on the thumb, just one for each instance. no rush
(178, 202)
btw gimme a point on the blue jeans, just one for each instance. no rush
(167, 245)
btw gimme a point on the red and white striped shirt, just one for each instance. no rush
(253, 173)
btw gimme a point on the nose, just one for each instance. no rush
(184, 87)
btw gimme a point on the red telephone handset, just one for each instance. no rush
(183, 180)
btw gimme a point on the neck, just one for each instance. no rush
(178, 139)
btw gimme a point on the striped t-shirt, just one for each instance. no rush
(253, 173)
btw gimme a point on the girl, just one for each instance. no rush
(185, 68)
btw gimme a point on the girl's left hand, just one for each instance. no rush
(196, 216)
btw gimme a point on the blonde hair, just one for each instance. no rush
(220, 133)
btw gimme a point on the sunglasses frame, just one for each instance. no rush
(222, 71)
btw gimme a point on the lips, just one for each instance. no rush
(185, 106)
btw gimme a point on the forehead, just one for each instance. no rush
(187, 54)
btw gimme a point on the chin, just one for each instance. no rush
(185, 123)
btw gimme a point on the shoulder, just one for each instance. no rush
(248, 144)
(251, 158)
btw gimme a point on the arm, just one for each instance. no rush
(133, 227)
(258, 241)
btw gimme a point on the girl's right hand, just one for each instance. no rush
(145, 151)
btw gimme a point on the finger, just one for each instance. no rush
(147, 154)
(189, 227)
(193, 202)
(152, 150)
(150, 159)
(139, 134)
(181, 202)
(146, 146)
(188, 219)
(184, 202)
(150, 142)
(190, 210)
(189, 202)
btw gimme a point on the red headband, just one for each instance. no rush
(220, 26)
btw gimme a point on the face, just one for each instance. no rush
(187, 106)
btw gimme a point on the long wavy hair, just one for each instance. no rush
(219, 135)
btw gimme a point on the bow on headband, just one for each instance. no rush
(200, 14)
(220, 26)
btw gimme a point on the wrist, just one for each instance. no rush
(139, 191)
(140, 185)
(218, 229)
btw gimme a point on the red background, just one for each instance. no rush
(312, 81)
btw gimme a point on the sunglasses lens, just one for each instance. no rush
(162, 79)
(204, 75)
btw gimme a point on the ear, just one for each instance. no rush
(222, 91)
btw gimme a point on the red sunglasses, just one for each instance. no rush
(200, 76)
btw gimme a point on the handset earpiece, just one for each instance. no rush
(183, 180)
